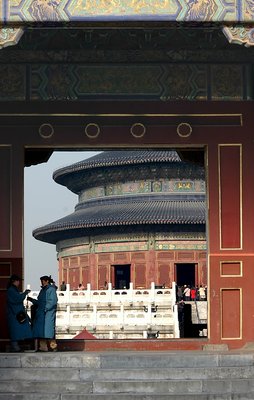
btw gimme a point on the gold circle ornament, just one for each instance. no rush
(46, 131)
(138, 130)
(184, 130)
(92, 130)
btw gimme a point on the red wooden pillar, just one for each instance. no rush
(151, 270)
(11, 217)
(231, 234)
(93, 271)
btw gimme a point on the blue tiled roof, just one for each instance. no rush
(125, 213)
(119, 157)
(147, 210)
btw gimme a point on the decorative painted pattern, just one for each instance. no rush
(165, 82)
(137, 187)
(184, 186)
(92, 193)
(10, 36)
(118, 79)
(226, 81)
(180, 246)
(240, 35)
(50, 11)
(129, 246)
(85, 10)
(12, 82)
(77, 244)
(64, 82)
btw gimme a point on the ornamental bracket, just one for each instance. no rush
(240, 34)
(10, 36)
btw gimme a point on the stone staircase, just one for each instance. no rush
(127, 375)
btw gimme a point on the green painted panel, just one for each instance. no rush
(12, 82)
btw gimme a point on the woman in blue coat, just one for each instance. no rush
(19, 328)
(44, 322)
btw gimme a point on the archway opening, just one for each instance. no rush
(157, 255)
(186, 274)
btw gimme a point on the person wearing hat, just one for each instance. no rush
(45, 317)
(18, 320)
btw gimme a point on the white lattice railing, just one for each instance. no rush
(129, 312)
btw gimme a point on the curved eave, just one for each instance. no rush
(110, 159)
(128, 214)
(121, 157)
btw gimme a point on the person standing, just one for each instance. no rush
(81, 286)
(18, 320)
(179, 293)
(186, 293)
(45, 317)
(63, 286)
(201, 291)
(180, 309)
(193, 293)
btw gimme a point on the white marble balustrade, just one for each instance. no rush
(114, 313)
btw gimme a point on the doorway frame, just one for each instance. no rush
(226, 130)
(195, 265)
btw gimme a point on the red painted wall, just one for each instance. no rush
(146, 267)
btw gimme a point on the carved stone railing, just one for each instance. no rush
(112, 313)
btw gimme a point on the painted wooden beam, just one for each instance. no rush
(26, 11)
(19, 13)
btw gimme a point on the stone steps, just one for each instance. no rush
(127, 375)
(141, 387)
(167, 374)
(70, 396)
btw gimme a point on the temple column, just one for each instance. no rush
(11, 216)
(231, 238)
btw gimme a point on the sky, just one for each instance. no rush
(45, 201)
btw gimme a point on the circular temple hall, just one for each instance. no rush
(140, 218)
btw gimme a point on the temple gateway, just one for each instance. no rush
(128, 75)
(136, 236)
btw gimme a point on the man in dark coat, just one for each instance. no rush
(180, 308)
(18, 320)
(45, 316)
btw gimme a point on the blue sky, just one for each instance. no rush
(44, 202)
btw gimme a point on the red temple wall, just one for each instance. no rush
(146, 267)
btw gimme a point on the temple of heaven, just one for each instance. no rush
(140, 218)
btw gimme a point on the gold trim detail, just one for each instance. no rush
(182, 127)
(241, 211)
(97, 131)
(10, 36)
(240, 316)
(152, 115)
(5, 276)
(231, 275)
(143, 130)
(49, 131)
(242, 35)
(10, 249)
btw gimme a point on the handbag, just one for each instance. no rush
(21, 317)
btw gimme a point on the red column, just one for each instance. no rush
(93, 271)
(231, 235)
(11, 216)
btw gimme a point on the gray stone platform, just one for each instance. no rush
(127, 375)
